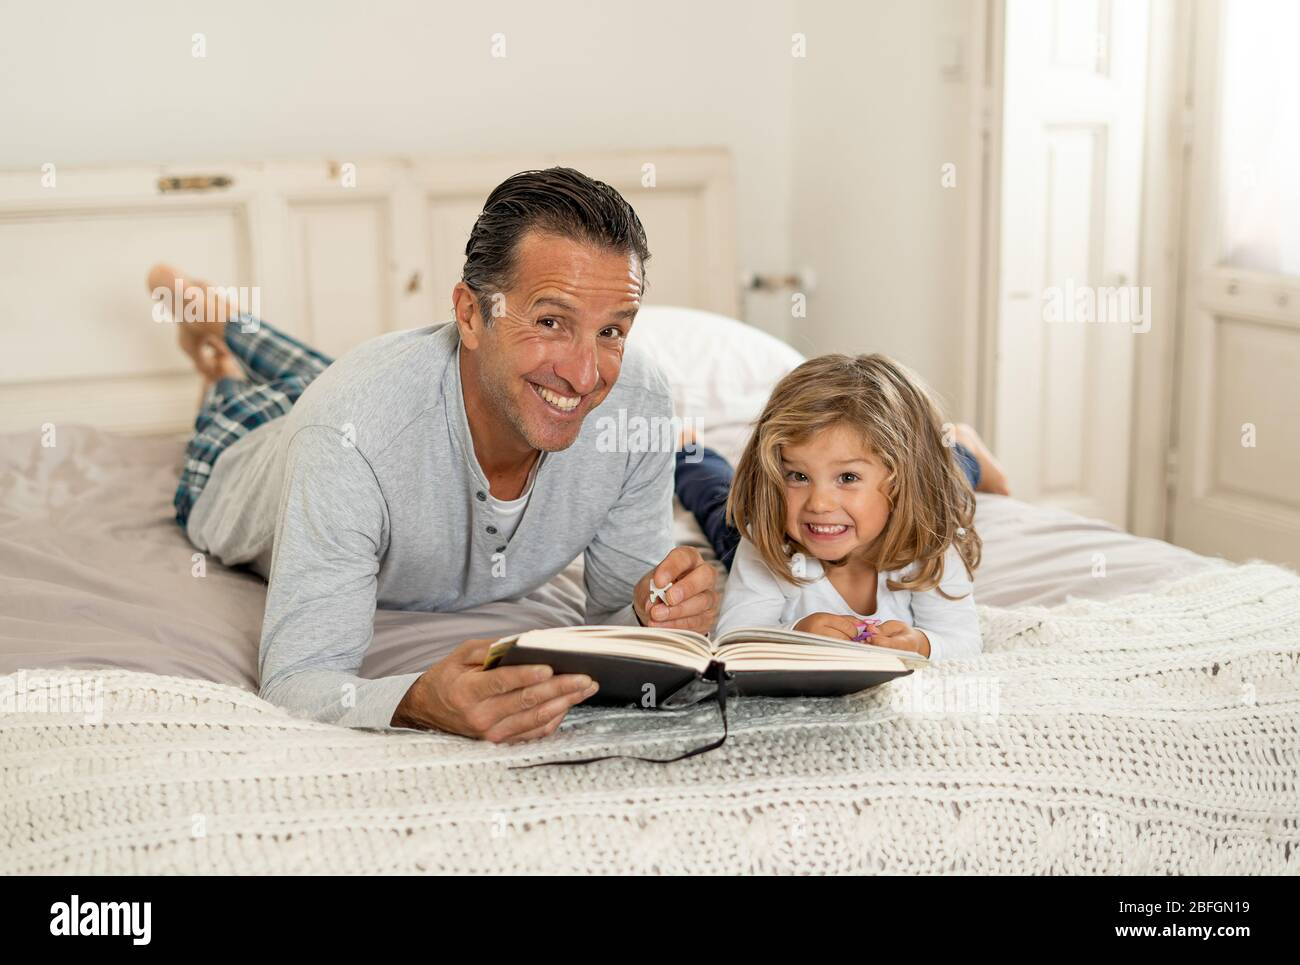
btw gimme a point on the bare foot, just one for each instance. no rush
(993, 478)
(200, 318)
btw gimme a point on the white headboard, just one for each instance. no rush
(339, 252)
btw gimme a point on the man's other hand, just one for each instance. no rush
(504, 704)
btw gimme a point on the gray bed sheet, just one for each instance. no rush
(94, 572)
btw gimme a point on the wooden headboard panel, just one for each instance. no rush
(337, 252)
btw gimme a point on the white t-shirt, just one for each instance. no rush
(756, 598)
(510, 511)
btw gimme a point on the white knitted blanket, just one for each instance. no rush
(1155, 734)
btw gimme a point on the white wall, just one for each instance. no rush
(837, 155)
(874, 121)
(103, 82)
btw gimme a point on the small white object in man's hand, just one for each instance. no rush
(659, 594)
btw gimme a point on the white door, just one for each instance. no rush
(1069, 305)
(1237, 476)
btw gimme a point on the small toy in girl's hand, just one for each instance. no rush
(866, 629)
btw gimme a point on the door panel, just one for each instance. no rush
(1238, 440)
(340, 278)
(1069, 308)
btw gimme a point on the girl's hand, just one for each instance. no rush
(899, 636)
(829, 625)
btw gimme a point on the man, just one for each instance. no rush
(445, 469)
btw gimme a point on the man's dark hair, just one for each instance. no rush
(559, 201)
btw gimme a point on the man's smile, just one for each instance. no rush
(564, 405)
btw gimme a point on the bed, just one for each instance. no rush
(1136, 711)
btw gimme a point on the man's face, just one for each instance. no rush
(555, 346)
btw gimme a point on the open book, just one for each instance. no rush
(666, 668)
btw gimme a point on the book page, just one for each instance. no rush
(750, 642)
(682, 647)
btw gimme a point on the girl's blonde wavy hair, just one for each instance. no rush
(931, 503)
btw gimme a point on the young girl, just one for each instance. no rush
(850, 505)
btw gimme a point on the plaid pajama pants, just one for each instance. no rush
(278, 369)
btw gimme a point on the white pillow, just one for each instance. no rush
(721, 370)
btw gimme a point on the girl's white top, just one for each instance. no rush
(756, 598)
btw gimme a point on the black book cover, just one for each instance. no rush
(623, 680)
(651, 683)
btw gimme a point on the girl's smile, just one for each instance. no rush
(825, 532)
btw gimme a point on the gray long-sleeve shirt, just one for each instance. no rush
(369, 493)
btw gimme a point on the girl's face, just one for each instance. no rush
(834, 504)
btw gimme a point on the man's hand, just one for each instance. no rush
(504, 704)
(829, 625)
(692, 602)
